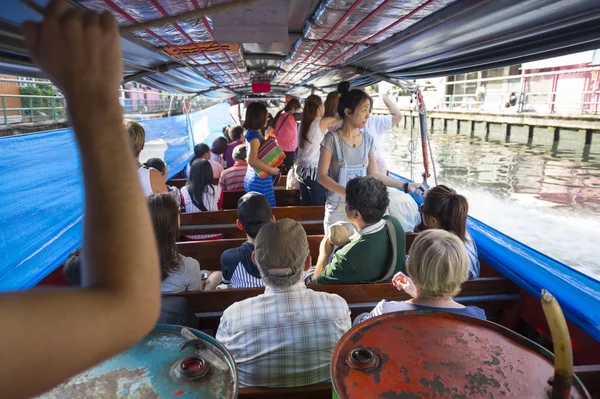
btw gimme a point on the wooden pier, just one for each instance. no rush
(587, 128)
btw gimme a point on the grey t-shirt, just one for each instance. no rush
(353, 156)
(187, 278)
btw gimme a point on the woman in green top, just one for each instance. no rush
(348, 153)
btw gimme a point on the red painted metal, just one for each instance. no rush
(209, 29)
(261, 87)
(390, 26)
(346, 15)
(118, 9)
(424, 138)
(423, 354)
(176, 25)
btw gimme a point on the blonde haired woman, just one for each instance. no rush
(437, 265)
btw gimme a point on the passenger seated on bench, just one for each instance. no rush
(173, 309)
(286, 336)
(202, 151)
(437, 266)
(404, 208)
(160, 165)
(218, 148)
(201, 195)
(232, 179)
(371, 256)
(151, 180)
(444, 209)
(237, 137)
(178, 273)
(239, 270)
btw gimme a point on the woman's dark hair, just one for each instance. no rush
(368, 196)
(351, 100)
(227, 133)
(72, 268)
(290, 105)
(331, 104)
(256, 116)
(200, 182)
(449, 208)
(311, 106)
(219, 146)
(343, 87)
(165, 218)
(236, 133)
(156, 163)
(199, 151)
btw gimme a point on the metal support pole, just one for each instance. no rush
(31, 108)
(4, 110)
(445, 125)
(472, 128)
(588, 136)
(53, 105)
(508, 128)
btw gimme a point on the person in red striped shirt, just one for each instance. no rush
(232, 179)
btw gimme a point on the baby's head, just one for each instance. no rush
(340, 233)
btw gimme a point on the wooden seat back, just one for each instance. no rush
(179, 183)
(208, 253)
(224, 222)
(282, 198)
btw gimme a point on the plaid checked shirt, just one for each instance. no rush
(284, 337)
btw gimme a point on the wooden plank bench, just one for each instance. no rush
(224, 222)
(282, 198)
(181, 182)
(208, 253)
(492, 294)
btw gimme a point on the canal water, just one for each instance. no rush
(543, 194)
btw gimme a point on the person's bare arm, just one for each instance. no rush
(325, 250)
(73, 329)
(323, 176)
(393, 108)
(157, 182)
(257, 163)
(327, 122)
(372, 170)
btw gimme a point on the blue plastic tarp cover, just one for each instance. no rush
(41, 190)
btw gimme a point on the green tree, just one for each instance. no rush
(35, 89)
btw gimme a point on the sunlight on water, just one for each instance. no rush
(542, 194)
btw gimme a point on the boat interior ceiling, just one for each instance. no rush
(298, 45)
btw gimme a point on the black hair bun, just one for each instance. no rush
(343, 87)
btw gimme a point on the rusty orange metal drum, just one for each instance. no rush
(423, 354)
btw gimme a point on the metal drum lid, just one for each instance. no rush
(156, 368)
(422, 354)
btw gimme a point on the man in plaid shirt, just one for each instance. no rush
(286, 336)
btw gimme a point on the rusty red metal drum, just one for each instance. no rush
(422, 354)
(170, 362)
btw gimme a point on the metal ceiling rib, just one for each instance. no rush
(358, 40)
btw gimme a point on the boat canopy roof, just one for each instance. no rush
(300, 45)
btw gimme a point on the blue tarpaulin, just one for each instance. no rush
(41, 190)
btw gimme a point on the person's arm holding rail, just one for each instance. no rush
(372, 170)
(119, 302)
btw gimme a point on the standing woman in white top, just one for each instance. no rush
(312, 130)
(201, 195)
(178, 273)
(348, 153)
(151, 180)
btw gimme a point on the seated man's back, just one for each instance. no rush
(286, 336)
(370, 256)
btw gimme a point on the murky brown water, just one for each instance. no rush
(543, 194)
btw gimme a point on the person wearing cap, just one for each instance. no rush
(286, 336)
(377, 252)
(237, 266)
(232, 179)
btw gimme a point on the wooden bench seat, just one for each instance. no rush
(282, 198)
(492, 294)
(223, 222)
(208, 253)
(181, 182)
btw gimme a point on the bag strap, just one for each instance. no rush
(285, 119)
(392, 266)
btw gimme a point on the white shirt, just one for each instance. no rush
(144, 178)
(307, 160)
(374, 228)
(403, 208)
(375, 127)
(284, 337)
